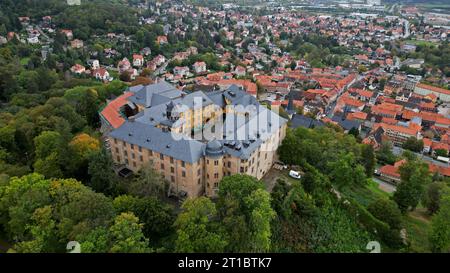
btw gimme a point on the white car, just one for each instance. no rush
(294, 174)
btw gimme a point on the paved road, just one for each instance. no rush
(399, 151)
(389, 188)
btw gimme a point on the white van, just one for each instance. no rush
(443, 159)
(294, 174)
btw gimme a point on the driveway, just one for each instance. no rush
(270, 179)
(384, 186)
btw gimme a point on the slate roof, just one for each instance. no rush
(141, 130)
(306, 122)
(154, 94)
(347, 124)
(155, 139)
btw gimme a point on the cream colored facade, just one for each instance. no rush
(202, 177)
(224, 132)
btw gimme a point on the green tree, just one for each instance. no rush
(385, 154)
(75, 209)
(413, 144)
(440, 225)
(42, 232)
(127, 236)
(100, 169)
(49, 150)
(196, 229)
(346, 172)
(441, 152)
(368, 159)
(386, 211)
(432, 196)
(148, 182)
(81, 147)
(245, 213)
(86, 102)
(414, 177)
(156, 216)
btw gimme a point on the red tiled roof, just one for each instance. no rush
(433, 88)
(394, 170)
(391, 121)
(111, 111)
(365, 93)
(317, 91)
(397, 128)
(357, 115)
(390, 171)
(439, 146)
(427, 142)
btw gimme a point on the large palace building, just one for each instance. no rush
(193, 139)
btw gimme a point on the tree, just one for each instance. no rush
(413, 144)
(440, 225)
(414, 177)
(245, 213)
(100, 169)
(368, 159)
(95, 241)
(126, 235)
(74, 209)
(86, 102)
(148, 182)
(385, 154)
(362, 69)
(42, 231)
(433, 196)
(346, 172)
(156, 216)
(314, 182)
(49, 150)
(386, 211)
(441, 152)
(196, 229)
(47, 143)
(261, 215)
(81, 147)
(354, 132)
(334, 231)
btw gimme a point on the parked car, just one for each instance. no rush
(294, 174)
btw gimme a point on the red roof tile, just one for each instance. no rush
(111, 111)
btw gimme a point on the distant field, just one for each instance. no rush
(420, 43)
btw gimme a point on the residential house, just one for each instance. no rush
(138, 60)
(101, 74)
(199, 67)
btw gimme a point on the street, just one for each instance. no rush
(384, 186)
(399, 151)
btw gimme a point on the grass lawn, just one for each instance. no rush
(417, 226)
(366, 195)
(420, 43)
(416, 223)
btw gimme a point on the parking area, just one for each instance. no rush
(271, 177)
